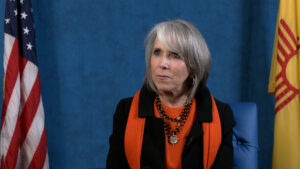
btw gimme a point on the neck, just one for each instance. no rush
(172, 100)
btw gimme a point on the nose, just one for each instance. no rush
(164, 62)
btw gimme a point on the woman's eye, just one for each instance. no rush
(156, 52)
(175, 55)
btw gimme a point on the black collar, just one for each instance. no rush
(203, 104)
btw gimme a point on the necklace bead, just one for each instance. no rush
(172, 134)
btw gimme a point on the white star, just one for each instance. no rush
(7, 21)
(26, 31)
(23, 15)
(16, 12)
(21, 1)
(29, 46)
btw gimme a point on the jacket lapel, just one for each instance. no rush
(192, 155)
(153, 149)
(203, 114)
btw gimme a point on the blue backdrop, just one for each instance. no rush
(91, 55)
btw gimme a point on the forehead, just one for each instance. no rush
(158, 44)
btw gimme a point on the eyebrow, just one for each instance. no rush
(156, 48)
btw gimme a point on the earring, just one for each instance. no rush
(193, 81)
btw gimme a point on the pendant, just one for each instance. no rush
(173, 139)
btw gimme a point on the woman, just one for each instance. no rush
(173, 122)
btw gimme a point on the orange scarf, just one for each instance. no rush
(133, 140)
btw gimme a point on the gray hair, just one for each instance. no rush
(183, 38)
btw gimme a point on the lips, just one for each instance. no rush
(163, 77)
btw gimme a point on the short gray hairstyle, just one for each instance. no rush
(183, 38)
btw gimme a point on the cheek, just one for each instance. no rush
(183, 71)
(152, 68)
(153, 64)
(184, 76)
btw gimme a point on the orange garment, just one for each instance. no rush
(174, 152)
(134, 132)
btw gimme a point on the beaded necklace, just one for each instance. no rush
(172, 134)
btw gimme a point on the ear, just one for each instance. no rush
(191, 75)
(191, 79)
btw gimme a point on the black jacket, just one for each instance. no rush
(153, 148)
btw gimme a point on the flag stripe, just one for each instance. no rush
(10, 119)
(11, 74)
(280, 75)
(9, 42)
(280, 85)
(25, 121)
(40, 154)
(30, 108)
(284, 53)
(36, 130)
(288, 30)
(280, 106)
(12, 152)
(281, 94)
(46, 165)
(23, 64)
(285, 41)
(28, 77)
(19, 160)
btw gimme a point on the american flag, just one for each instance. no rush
(23, 143)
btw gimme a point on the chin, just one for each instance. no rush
(164, 88)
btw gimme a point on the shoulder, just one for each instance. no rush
(123, 108)
(222, 107)
(226, 114)
(125, 102)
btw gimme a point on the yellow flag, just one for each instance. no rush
(284, 84)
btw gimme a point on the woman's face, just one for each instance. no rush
(169, 71)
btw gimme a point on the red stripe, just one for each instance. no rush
(24, 122)
(280, 61)
(288, 30)
(283, 52)
(2, 163)
(279, 107)
(279, 75)
(30, 108)
(284, 92)
(10, 77)
(286, 42)
(279, 86)
(40, 154)
(23, 63)
(12, 152)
